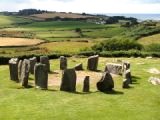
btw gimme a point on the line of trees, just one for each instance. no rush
(26, 12)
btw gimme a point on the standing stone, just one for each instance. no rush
(125, 65)
(63, 63)
(68, 80)
(13, 67)
(106, 83)
(93, 63)
(127, 79)
(25, 72)
(45, 60)
(79, 67)
(33, 61)
(20, 70)
(41, 76)
(86, 84)
(114, 68)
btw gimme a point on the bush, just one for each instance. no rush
(116, 45)
(153, 48)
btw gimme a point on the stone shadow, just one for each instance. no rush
(135, 79)
(114, 92)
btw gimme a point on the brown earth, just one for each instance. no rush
(6, 41)
(59, 14)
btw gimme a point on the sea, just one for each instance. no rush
(140, 17)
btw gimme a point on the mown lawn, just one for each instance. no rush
(140, 102)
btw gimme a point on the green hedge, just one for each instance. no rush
(5, 60)
(131, 53)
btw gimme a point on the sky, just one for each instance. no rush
(87, 6)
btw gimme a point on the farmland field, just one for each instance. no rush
(150, 39)
(18, 41)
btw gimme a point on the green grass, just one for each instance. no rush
(60, 25)
(104, 33)
(150, 39)
(141, 102)
(9, 21)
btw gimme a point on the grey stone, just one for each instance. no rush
(68, 80)
(79, 67)
(125, 65)
(13, 67)
(93, 63)
(114, 68)
(41, 76)
(33, 61)
(154, 80)
(25, 72)
(45, 60)
(127, 78)
(106, 83)
(63, 63)
(20, 69)
(86, 84)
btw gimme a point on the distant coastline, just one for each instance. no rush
(140, 17)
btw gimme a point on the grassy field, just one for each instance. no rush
(9, 21)
(140, 102)
(150, 39)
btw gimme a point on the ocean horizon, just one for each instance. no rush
(140, 17)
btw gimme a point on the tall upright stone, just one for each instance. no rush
(125, 65)
(45, 60)
(106, 83)
(33, 61)
(25, 72)
(20, 70)
(68, 80)
(93, 63)
(63, 63)
(127, 78)
(86, 84)
(41, 76)
(13, 67)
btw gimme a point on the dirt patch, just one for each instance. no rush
(54, 79)
(6, 41)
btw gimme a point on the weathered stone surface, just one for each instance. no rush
(86, 84)
(106, 83)
(20, 69)
(114, 68)
(125, 65)
(33, 61)
(127, 78)
(41, 76)
(154, 80)
(79, 67)
(25, 72)
(45, 60)
(63, 63)
(68, 80)
(13, 67)
(93, 63)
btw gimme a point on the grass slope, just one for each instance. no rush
(150, 39)
(140, 102)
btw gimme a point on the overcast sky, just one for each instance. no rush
(88, 6)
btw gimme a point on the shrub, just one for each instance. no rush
(116, 45)
(153, 48)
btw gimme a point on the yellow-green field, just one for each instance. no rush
(150, 39)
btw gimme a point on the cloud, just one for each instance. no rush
(88, 6)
